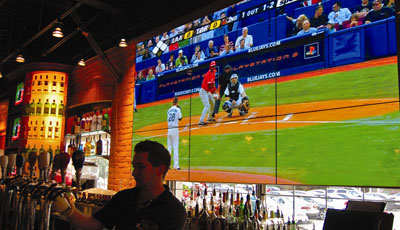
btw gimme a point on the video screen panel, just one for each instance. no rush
(299, 88)
(16, 129)
(19, 94)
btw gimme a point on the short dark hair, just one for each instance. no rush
(318, 7)
(158, 154)
(339, 4)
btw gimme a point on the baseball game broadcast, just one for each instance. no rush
(275, 92)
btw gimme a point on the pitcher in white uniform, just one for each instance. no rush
(174, 115)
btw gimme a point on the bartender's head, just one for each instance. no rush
(151, 163)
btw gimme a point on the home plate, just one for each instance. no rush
(290, 115)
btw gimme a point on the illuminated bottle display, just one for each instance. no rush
(54, 85)
(53, 108)
(50, 130)
(61, 109)
(46, 109)
(39, 108)
(33, 84)
(27, 110)
(61, 89)
(30, 128)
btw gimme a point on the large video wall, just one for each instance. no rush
(324, 107)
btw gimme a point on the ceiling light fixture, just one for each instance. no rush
(123, 43)
(1, 75)
(82, 62)
(20, 58)
(57, 32)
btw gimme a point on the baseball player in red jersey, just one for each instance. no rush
(207, 89)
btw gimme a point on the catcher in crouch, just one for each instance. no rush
(235, 97)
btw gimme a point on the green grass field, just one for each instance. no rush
(357, 152)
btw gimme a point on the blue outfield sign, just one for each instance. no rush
(255, 64)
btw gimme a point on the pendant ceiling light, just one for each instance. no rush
(82, 62)
(20, 58)
(57, 32)
(122, 43)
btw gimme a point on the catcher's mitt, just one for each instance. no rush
(245, 106)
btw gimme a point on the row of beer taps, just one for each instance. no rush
(26, 202)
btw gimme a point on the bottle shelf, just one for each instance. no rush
(90, 133)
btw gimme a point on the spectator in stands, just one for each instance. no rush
(319, 19)
(363, 9)
(147, 54)
(141, 49)
(231, 12)
(170, 63)
(248, 39)
(140, 78)
(330, 28)
(226, 42)
(211, 48)
(310, 2)
(298, 23)
(173, 33)
(181, 60)
(306, 28)
(198, 57)
(209, 34)
(223, 29)
(160, 66)
(188, 27)
(339, 14)
(354, 21)
(378, 12)
(165, 38)
(194, 56)
(227, 50)
(241, 46)
(150, 75)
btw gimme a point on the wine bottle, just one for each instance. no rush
(94, 122)
(50, 131)
(27, 110)
(46, 108)
(99, 147)
(35, 130)
(105, 121)
(39, 85)
(32, 107)
(53, 108)
(57, 131)
(46, 85)
(54, 86)
(99, 120)
(42, 130)
(39, 108)
(30, 128)
(61, 109)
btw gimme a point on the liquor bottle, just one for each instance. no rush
(35, 130)
(83, 123)
(204, 219)
(30, 129)
(46, 85)
(78, 126)
(39, 85)
(87, 148)
(61, 109)
(88, 123)
(33, 84)
(73, 126)
(46, 108)
(61, 88)
(32, 107)
(105, 121)
(42, 131)
(39, 108)
(27, 109)
(54, 86)
(53, 108)
(57, 131)
(50, 131)
(293, 225)
(94, 122)
(99, 120)
(92, 146)
(99, 147)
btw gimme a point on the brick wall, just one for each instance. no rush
(94, 82)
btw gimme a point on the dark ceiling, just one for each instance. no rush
(25, 26)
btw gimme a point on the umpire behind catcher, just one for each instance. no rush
(223, 81)
(235, 97)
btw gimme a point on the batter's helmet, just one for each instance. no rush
(213, 64)
(227, 106)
